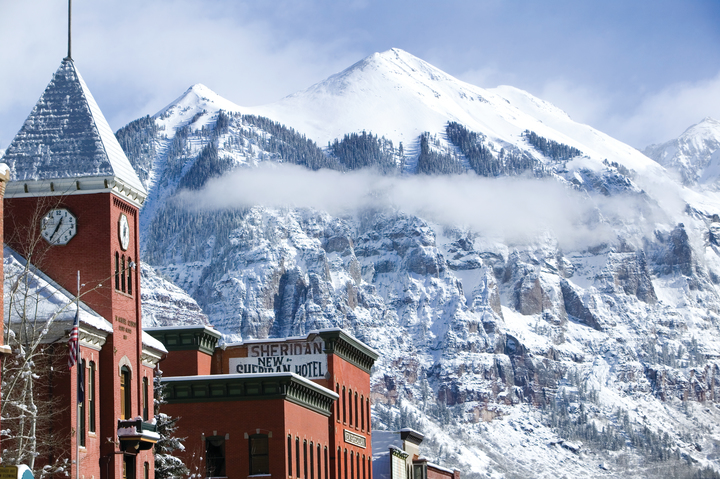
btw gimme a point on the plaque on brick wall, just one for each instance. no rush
(355, 439)
(306, 358)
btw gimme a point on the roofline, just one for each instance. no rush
(81, 185)
(250, 387)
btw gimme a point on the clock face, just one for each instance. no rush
(124, 232)
(58, 226)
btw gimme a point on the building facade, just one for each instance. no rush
(292, 407)
(71, 216)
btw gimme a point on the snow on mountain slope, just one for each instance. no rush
(517, 359)
(694, 155)
(400, 96)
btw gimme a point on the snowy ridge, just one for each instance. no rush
(400, 96)
(694, 155)
(514, 359)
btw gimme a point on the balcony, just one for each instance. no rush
(136, 435)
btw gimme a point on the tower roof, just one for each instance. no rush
(67, 147)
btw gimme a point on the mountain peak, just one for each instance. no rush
(196, 99)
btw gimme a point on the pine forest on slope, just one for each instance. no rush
(589, 345)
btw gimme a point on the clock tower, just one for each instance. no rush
(72, 205)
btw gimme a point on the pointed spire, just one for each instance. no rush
(67, 147)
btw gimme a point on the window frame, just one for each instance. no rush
(259, 462)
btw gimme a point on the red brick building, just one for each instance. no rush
(293, 407)
(72, 208)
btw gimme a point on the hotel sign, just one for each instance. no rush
(355, 439)
(304, 358)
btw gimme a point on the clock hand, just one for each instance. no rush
(56, 229)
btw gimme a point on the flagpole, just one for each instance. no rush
(77, 388)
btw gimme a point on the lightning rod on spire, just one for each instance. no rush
(69, 55)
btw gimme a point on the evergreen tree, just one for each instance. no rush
(167, 466)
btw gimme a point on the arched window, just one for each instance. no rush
(344, 406)
(327, 464)
(362, 413)
(117, 270)
(367, 412)
(357, 464)
(91, 397)
(345, 465)
(319, 463)
(122, 273)
(129, 276)
(259, 454)
(350, 406)
(337, 403)
(369, 468)
(145, 397)
(146, 470)
(356, 409)
(352, 465)
(81, 400)
(297, 457)
(289, 452)
(363, 476)
(312, 462)
(125, 402)
(305, 459)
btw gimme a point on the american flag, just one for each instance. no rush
(74, 343)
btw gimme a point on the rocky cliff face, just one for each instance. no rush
(513, 356)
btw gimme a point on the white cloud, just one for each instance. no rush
(664, 115)
(516, 209)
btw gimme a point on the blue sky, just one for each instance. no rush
(641, 70)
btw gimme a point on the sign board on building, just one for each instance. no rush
(304, 358)
(355, 439)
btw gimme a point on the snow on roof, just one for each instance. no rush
(151, 342)
(67, 136)
(29, 289)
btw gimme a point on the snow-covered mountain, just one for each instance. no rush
(694, 155)
(589, 346)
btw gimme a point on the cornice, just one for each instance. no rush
(91, 337)
(233, 387)
(190, 338)
(76, 186)
(343, 345)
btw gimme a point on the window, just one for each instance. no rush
(297, 457)
(352, 465)
(129, 276)
(344, 406)
(363, 476)
(289, 449)
(337, 403)
(117, 271)
(345, 465)
(122, 273)
(356, 409)
(357, 464)
(305, 460)
(319, 463)
(419, 471)
(215, 456)
(312, 462)
(146, 470)
(362, 412)
(367, 412)
(259, 454)
(125, 403)
(350, 406)
(129, 467)
(81, 400)
(145, 398)
(327, 464)
(91, 397)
